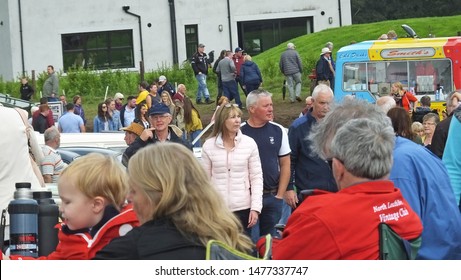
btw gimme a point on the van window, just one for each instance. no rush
(418, 76)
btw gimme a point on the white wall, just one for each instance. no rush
(44, 21)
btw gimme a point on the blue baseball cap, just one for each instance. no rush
(159, 109)
(238, 49)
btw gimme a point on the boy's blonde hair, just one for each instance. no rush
(99, 175)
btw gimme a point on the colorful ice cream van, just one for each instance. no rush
(367, 70)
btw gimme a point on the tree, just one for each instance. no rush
(365, 11)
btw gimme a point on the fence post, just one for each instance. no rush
(141, 70)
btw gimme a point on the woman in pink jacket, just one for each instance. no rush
(232, 161)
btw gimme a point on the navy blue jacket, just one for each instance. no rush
(307, 171)
(250, 74)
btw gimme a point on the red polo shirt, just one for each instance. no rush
(344, 225)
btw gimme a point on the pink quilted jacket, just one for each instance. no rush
(237, 174)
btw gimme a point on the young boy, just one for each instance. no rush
(93, 190)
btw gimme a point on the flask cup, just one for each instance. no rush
(23, 211)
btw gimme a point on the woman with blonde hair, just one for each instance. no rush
(166, 99)
(232, 161)
(250, 75)
(179, 211)
(402, 97)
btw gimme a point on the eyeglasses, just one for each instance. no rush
(159, 117)
(228, 105)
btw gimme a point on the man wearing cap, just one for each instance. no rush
(200, 64)
(238, 61)
(132, 132)
(291, 66)
(324, 68)
(118, 97)
(164, 85)
(160, 119)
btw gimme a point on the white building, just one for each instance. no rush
(120, 33)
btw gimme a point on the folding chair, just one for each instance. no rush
(393, 247)
(217, 250)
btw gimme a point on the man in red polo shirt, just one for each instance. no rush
(344, 225)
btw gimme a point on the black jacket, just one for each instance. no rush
(200, 63)
(155, 240)
(323, 70)
(26, 91)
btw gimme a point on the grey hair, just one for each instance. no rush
(255, 95)
(449, 100)
(365, 147)
(322, 133)
(329, 44)
(386, 103)
(321, 88)
(51, 133)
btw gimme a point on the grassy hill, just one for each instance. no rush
(309, 46)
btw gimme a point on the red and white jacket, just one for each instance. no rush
(81, 246)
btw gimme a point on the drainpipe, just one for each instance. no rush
(20, 36)
(126, 8)
(174, 39)
(229, 22)
(340, 15)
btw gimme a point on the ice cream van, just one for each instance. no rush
(426, 66)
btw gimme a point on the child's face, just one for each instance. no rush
(76, 208)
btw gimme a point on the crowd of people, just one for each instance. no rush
(333, 177)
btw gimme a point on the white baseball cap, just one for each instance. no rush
(118, 95)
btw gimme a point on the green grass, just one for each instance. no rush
(92, 86)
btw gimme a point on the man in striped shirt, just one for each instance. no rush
(52, 164)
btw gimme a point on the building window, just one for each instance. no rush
(260, 35)
(98, 50)
(191, 32)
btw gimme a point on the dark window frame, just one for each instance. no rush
(98, 50)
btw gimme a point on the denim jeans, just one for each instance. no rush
(269, 217)
(231, 91)
(202, 88)
(286, 212)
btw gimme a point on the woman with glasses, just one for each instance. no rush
(102, 120)
(232, 161)
(430, 121)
